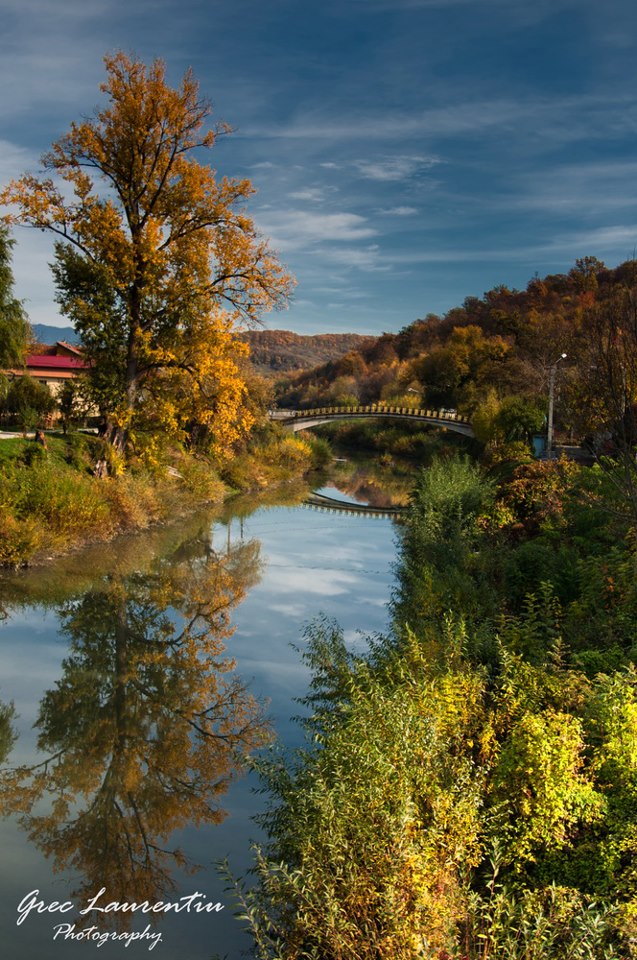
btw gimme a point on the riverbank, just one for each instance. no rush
(467, 787)
(50, 502)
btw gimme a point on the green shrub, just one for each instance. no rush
(66, 501)
(201, 480)
(33, 454)
(350, 871)
(19, 539)
(132, 502)
(239, 473)
(29, 399)
(554, 923)
(276, 457)
(321, 451)
(77, 452)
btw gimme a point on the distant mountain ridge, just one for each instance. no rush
(272, 351)
(50, 335)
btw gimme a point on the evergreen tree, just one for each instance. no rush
(15, 330)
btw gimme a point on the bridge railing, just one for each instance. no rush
(376, 408)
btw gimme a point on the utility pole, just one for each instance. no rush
(549, 425)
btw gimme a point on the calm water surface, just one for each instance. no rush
(139, 673)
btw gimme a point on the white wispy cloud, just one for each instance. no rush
(400, 167)
(16, 160)
(524, 13)
(619, 238)
(368, 259)
(313, 194)
(452, 118)
(399, 212)
(33, 249)
(32, 255)
(291, 229)
(590, 188)
(52, 52)
(535, 120)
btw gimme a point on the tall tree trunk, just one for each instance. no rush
(117, 435)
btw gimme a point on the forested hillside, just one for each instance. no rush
(275, 351)
(492, 356)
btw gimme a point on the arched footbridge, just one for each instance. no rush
(294, 420)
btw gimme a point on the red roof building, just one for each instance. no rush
(54, 365)
(61, 348)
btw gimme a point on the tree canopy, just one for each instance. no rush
(156, 261)
(15, 330)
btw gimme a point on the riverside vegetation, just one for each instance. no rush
(469, 787)
(51, 502)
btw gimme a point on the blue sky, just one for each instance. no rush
(406, 153)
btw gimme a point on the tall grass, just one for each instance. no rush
(275, 458)
(50, 501)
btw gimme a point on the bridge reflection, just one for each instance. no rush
(318, 501)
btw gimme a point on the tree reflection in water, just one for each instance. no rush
(146, 727)
(8, 735)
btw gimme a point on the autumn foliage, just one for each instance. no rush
(481, 355)
(156, 260)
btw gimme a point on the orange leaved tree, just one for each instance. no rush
(156, 262)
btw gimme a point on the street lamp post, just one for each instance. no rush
(549, 425)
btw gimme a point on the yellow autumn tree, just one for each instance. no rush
(156, 263)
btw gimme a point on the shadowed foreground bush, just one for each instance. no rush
(432, 813)
(468, 788)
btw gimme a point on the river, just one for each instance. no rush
(134, 676)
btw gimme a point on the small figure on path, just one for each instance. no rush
(40, 438)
